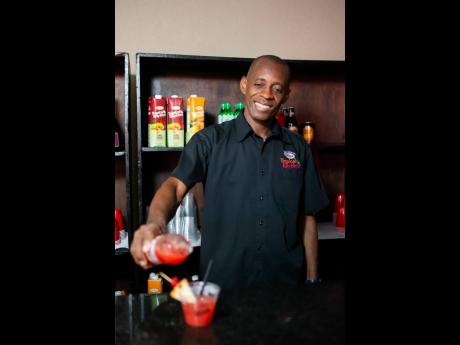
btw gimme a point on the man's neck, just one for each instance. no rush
(260, 128)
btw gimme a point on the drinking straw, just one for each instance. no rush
(206, 276)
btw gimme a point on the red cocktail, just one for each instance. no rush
(201, 312)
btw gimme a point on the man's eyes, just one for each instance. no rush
(276, 89)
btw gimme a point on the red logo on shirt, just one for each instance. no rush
(290, 163)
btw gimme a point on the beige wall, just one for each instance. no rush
(292, 29)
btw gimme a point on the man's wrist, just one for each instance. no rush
(156, 228)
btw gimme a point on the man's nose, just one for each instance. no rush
(267, 92)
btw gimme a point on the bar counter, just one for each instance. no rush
(312, 314)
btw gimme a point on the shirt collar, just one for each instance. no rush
(243, 130)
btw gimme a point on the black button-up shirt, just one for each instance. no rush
(253, 193)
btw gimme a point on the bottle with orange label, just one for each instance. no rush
(195, 115)
(308, 131)
(154, 284)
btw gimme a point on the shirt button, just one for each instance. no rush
(261, 198)
(262, 172)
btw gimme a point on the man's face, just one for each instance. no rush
(265, 89)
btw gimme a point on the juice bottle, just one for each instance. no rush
(154, 284)
(157, 121)
(195, 115)
(175, 120)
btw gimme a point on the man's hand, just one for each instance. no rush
(140, 246)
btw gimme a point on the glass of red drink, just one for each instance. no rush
(201, 313)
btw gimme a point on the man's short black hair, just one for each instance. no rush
(272, 58)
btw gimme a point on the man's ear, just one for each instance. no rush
(243, 83)
(286, 96)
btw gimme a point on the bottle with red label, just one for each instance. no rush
(280, 118)
(339, 203)
(340, 221)
(122, 233)
(117, 233)
(175, 130)
(157, 121)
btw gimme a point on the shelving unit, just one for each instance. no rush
(317, 94)
(328, 231)
(123, 262)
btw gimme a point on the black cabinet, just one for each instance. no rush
(317, 95)
(123, 192)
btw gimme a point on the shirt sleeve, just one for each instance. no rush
(192, 166)
(314, 195)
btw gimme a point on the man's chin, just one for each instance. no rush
(263, 118)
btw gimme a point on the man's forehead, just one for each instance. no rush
(261, 66)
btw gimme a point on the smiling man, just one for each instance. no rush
(261, 192)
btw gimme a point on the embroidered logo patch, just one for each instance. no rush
(291, 162)
(289, 154)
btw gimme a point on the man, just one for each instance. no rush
(261, 191)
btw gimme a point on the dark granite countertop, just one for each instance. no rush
(303, 315)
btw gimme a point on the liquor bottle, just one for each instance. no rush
(291, 122)
(308, 131)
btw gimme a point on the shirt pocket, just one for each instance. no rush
(289, 182)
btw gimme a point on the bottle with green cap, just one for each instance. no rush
(220, 116)
(239, 107)
(228, 112)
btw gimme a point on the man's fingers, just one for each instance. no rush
(140, 246)
(136, 250)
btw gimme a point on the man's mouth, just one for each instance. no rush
(262, 107)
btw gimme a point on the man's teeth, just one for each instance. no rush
(261, 107)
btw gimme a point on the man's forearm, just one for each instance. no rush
(165, 203)
(310, 241)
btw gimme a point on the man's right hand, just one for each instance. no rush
(140, 246)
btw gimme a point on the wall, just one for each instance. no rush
(292, 29)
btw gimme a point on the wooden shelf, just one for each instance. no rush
(328, 231)
(328, 146)
(121, 251)
(161, 149)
